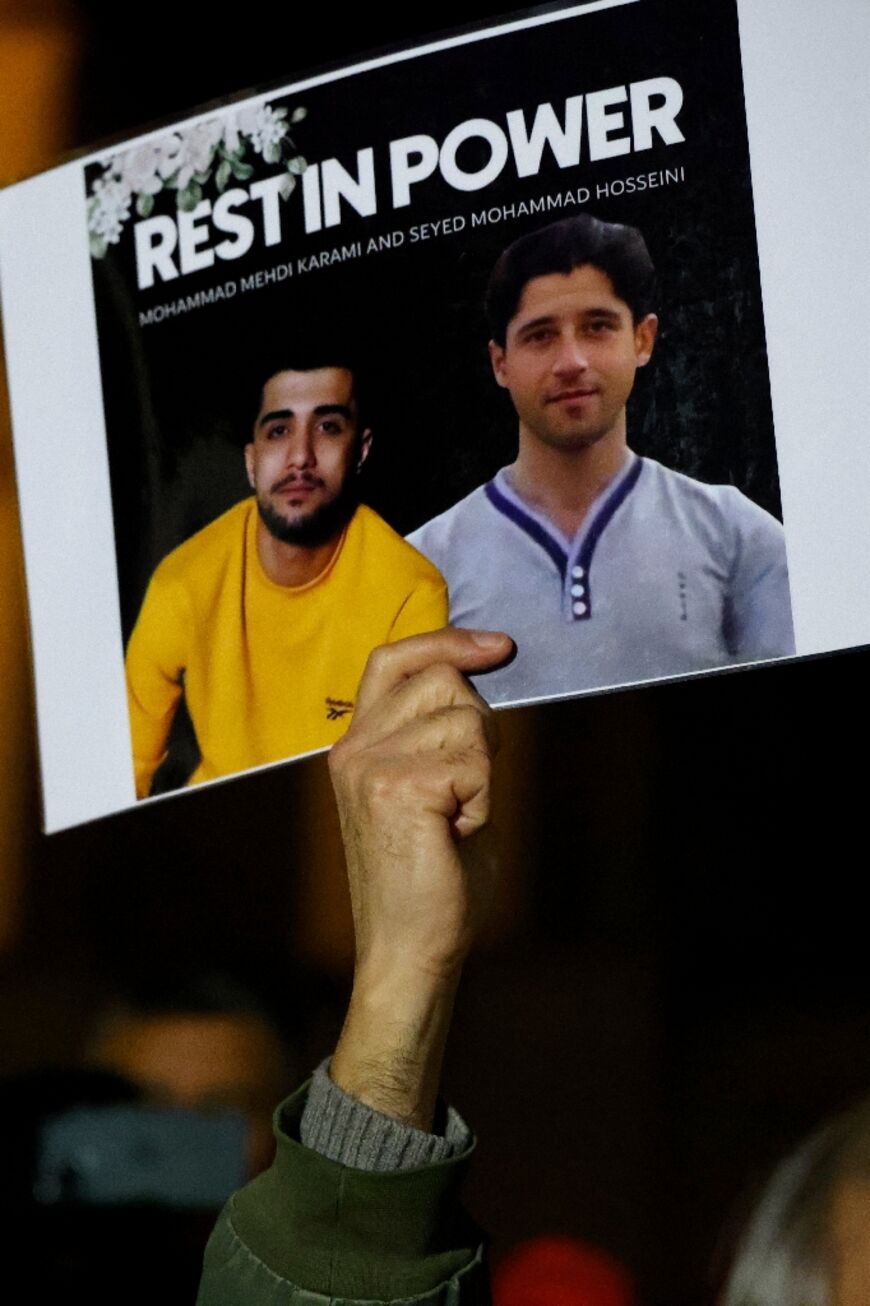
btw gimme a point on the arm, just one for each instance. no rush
(424, 609)
(154, 666)
(412, 784)
(758, 621)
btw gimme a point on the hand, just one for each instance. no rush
(412, 781)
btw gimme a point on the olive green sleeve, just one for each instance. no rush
(313, 1232)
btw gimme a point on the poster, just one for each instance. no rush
(318, 257)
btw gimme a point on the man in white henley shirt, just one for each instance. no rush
(607, 568)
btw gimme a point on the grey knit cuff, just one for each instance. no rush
(346, 1130)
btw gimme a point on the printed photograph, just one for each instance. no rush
(376, 357)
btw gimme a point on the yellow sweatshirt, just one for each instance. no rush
(268, 671)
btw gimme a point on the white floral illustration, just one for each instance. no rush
(139, 169)
(188, 160)
(109, 209)
(189, 153)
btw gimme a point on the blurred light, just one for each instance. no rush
(559, 1271)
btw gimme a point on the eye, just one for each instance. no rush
(275, 432)
(332, 426)
(600, 326)
(540, 335)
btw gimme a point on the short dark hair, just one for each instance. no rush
(616, 250)
(312, 360)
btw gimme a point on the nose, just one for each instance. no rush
(571, 355)
(299, 452)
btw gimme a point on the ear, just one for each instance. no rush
(496, 358)
(365, 444)
(645, 338)
(249, 462)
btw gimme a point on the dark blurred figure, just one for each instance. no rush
(102, 1198)
(207, 1044)
(808, 1240)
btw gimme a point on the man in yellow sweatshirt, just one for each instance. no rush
(265, 618)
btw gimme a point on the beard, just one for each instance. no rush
(319, 527)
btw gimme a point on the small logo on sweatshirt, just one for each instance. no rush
(336, 708)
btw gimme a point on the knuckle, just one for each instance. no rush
(348, 768)
(379, 660)
(470, 761)
(445, 681)
(481, 763)
(375, 786)
(474, 727)
(339, 756)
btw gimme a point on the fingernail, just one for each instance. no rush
(488, 638)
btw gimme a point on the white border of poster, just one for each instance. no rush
(808, 113)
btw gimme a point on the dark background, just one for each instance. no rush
(180, 394)
(676, 986)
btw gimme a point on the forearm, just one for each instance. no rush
(391, 1048)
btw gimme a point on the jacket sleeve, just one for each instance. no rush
(154, 666)
(313, 1232)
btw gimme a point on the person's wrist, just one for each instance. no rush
(392, 1044)
(401, 1007)
(415, 972)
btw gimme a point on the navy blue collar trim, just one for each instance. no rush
(606, 511)
(543, 537)
(529, 525)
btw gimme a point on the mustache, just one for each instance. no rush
(297, 478)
